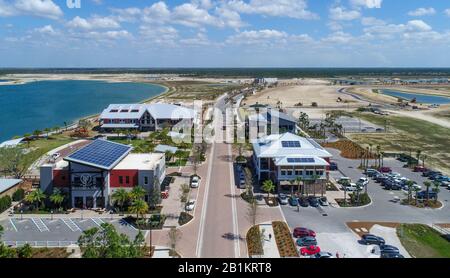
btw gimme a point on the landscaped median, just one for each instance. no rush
(254, 242)
(283, 237)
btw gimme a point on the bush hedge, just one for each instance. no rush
(5, 203)
(18, 195)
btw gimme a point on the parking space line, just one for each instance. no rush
(125, 223)
(98, 221)
(40, 225)
(72, 225)
(13, 225)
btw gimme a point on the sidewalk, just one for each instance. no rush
(269, 246)
(172, 206)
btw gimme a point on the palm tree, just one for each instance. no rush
(121, 197)
(299, 181)
(382, 158)
(345, 183)
(292, 182)
(139, 207)
(410, 185)
(57, 198)
(379, 156)
(436, 190)
(418, 153)
(268, 187)
(424, 157)
(416, 192)
(427, 185)
(36, 197)
(314, 179)
(138, 192)
(37, 133)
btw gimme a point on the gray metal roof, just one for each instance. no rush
(165, 148)
(157, 110)
(6, 184)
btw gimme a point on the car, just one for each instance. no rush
(420, 169)
(431, 173)
(306, 241)
(300, 232)
(444, 183)
(314, 202)
(303, 202)
(379, 129)
(322, 255)
(363, 181)
(343, 180)
(350, 187)
(388, 249)
(371, 172)
(391, 256)
(55, 156)
(293, 201)
(380, 178)
(442, 178)
(369, 239)
(423, 194)
(195, 182)
(385, 170)
(190, 205)
(282, 199)
(333, 166)
(323, 202)
(310, 250)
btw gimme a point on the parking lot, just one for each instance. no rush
(57, 231)
(333, 235)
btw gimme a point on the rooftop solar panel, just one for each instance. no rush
(100, 153)
(301, 160)
(290, 144)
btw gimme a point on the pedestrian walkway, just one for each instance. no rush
(269, 244)
(72, 226)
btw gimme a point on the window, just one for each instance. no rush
(320, 173)
(120, 180)
(127, 180)
(298, 173)
(283, 173)
(76, 180)
(309, 173)
(145, 180)
(289, 173)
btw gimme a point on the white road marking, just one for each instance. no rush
(97, 221)
(13, 225)
(40, 225)
(237, 250)
(198, 250)
(72, 226)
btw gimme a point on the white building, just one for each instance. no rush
(284, 157)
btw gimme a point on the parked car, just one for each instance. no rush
(313, 201)
(190, 205)
(322, 255)
(363, 181)
(333, 166)
(420, 169)
(351, 187)
(371, 172)
(293, 201)
(385, 170)
(442, 178)
(372, 239)
(310, 250)
(300, 232)
(55, 156)
(306, 241)
(303, 202)
(323, 202)
(343, 180)
(391, 256)
(388, 249)
(423, 194)
(380, 178)
(282, 199)
(195, 182)
(430, 173)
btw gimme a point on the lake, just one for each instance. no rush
(420, 98)
(37, 105)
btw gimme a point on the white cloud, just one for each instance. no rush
(422, 12)
(338, 37)
(369, 21)
(40, 8)
(257, 36)
(160, 34)
(413, 28)
(370, 4)
(282, 8)
(108, 35)
(46, 30)
(131, 14)
(418, 25)
(447, 12)
(158, 12)
(341, 13)
(95, 22)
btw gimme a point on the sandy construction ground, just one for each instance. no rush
(290, 96)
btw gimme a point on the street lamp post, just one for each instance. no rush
(21, 214)
(51, 212)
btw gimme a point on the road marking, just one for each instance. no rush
(72, 226)
(13, 225)
(40, 225)
(126, 223)
(237, 251)
(97, 221)
(199, 247)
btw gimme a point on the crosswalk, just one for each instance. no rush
(72, 226)
(40, 224)
(98, 221)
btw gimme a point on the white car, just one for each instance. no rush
(190, 205)
(363, 181)
(351, 187)
(55, 156)
(195, 182)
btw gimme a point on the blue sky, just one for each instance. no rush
(225, 33)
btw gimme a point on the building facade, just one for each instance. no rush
(90, 175)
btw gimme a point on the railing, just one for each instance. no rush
(440, 229)
(41, 244)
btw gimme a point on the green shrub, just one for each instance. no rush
(18, 195)
(5, 203)
(25, 251)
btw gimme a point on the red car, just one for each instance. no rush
(385, 170)
(420, 169)
(303, 232)
(310, 250)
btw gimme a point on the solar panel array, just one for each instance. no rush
(100, 153)
(290, 144)
(301, 160)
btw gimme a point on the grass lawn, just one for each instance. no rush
(50, 253)
(409, 134)
(422, 241)
(42, 146)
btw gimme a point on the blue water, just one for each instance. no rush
(37, 105)
(420, 98)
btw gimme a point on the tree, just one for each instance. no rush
(25, 252)
(138, 192)
(410, 185)
(436, 190)
(155, 195)
(47, 131)
(268, 187)
(37, 133)
(138, 207)
(14, 161)
(174, 237)
(36, 198)
(121, 197)
(105, 242)
(57, 198)
(313, 181)
(184, 194)
(345, 183)
(252, 211)
(418, 153)
(299, 181)
(416, 192)
(424, 157)
(427, 185)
